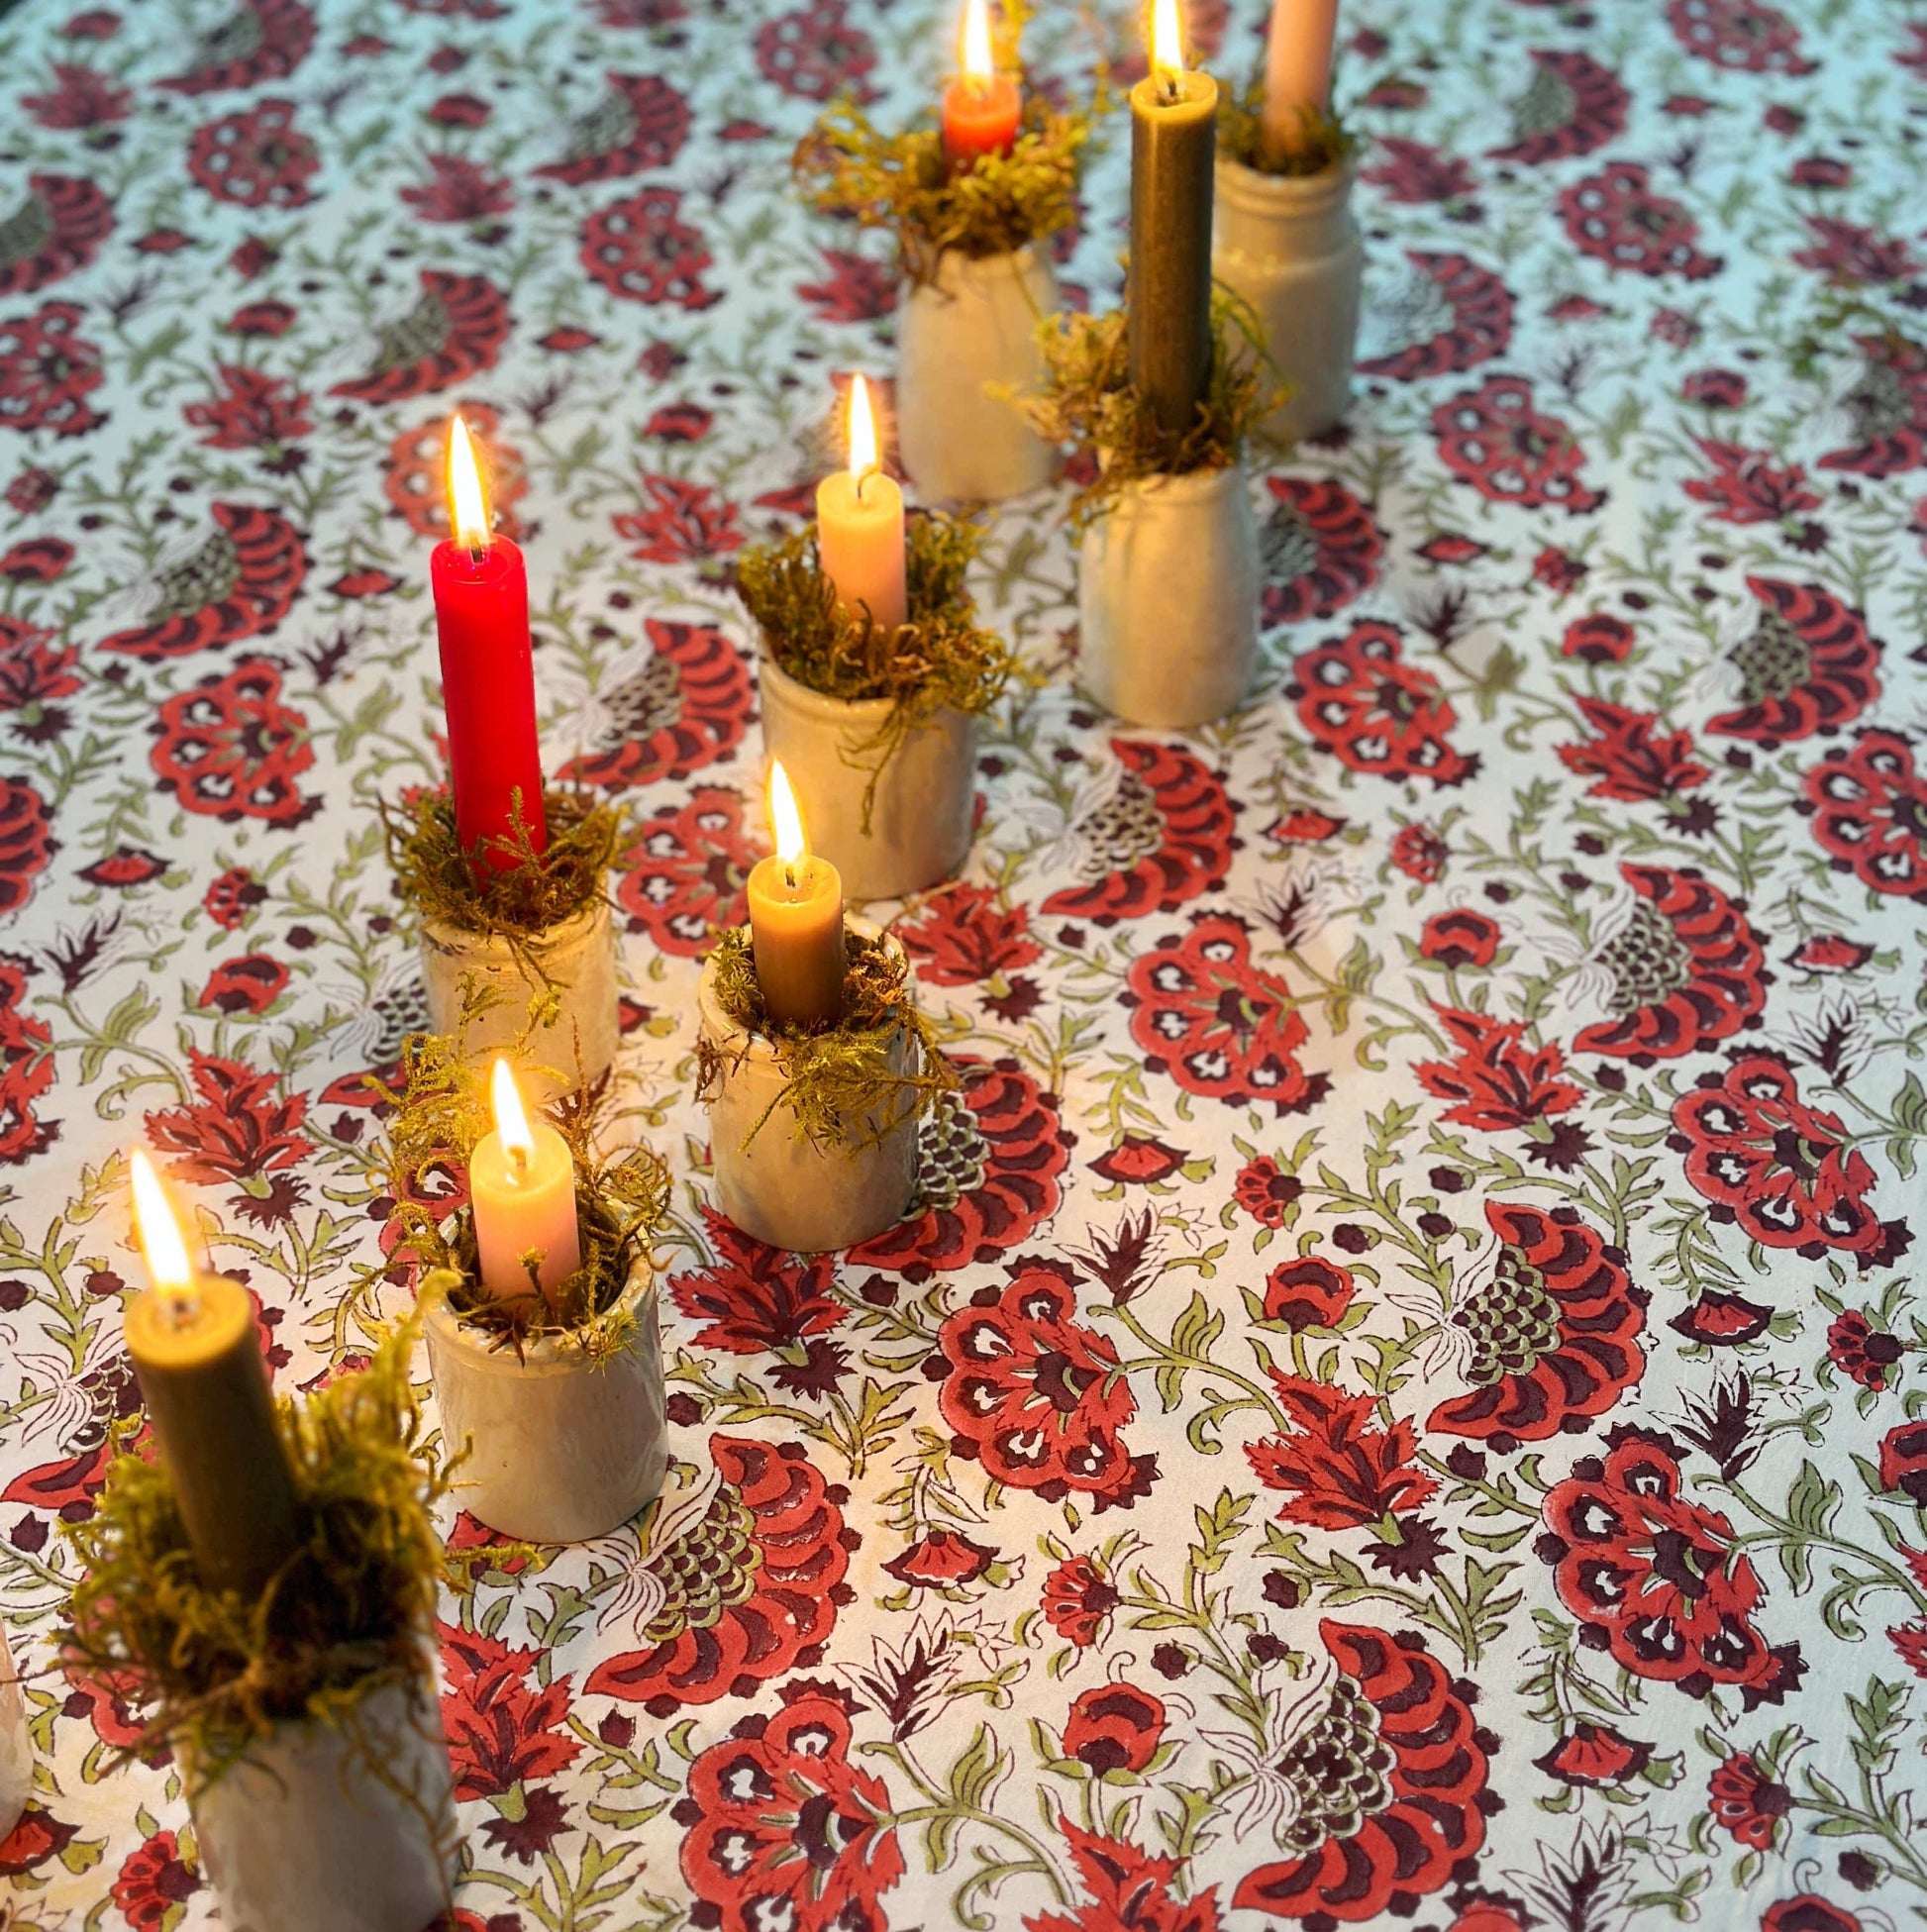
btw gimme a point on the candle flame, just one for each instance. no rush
(1166, 40)
(862, 431)
(467, 507)
(979, 63)
(784, 819)
(161, 1242)
(511, 1117)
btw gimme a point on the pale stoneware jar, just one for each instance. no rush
(16, 1746)
(780, 1187)
(973, 327)
(1289, 245)
(561, 1447)
(317, 1829)
(1167, 589)
(921, 818)
(579, 956)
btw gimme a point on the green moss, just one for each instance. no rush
(621, 1204)
(836, 1073)
(942, 658)
(1319, 139)
(1088, 401)
(346, 1616)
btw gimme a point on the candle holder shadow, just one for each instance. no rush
(878, 727)
(1168, 574)
(814, 1133)
(518, 958)
(554, 1400)
(305, 1723)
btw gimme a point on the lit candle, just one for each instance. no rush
(488, 679)
(522, 1185)
(1173, 151)
(796, 920)
(1297, 70)
(859, 524)
(981, 107)
(197, 1354)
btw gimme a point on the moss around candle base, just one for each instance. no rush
(1174, 152)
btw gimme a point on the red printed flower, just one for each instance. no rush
(1656, 1580)
(503, 1728)
(459, 190)
(1419, 852)
(1137, 1160)
(1785, 1172)
(1846, 253)
(1114, 1728)
(1888, 408)
(123, 868)
(26, 842)
(26, 1071)
(749, 1590)
(688, 707)
(1747, 488)
(1127, 1890)
(1309, 1292)
(232, 896)
(640, 249)
(1806, 1914)
(1077, 1597)
(34, 673)
(783, 1830)
(1572, 106)
(454, 332)
(684, 520)
(1321, 548)
(1686, 970)
(1414, 174)
(1858, 1349)
(1830, 952)
(1337, 1470)
(991, 1159)
(1722, 1321)
(940, 1561)
(1744, 1803)
(1615, 217)
(1263, 1191)
(35, 559)
(250, 983)
(1359, 700)
(1459, 939)
(239, 581)
(155, 1883)
(815, 53)
(959, 938)
(417, 480)
(1509, 452)
(230, 748)
(1903, 1461)
(1744, 36)
(754, 1299)
(1494, 1081)
(855, 290)
(686, 876)
(1594, 1757)
(641, 122)
(256, 158)
(267, 41)
(1810, 665)
(251, 410)
(1868, 807)
(1555, 1330)
(1598, 640)
(680, 422)
(57, 229)
(47, 372)
(1475, 327)
(1626, 759)
(81, 98)
(261, 319)
(1034, 1395)
(237, 1128)
(1218, 1025)
(1391, 1785)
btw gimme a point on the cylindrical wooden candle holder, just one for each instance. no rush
(921, 817)
(1167, 588)
(562, 1445)
(317, 1829)
(578, 957)
(1289, 245)
(781, 1187)
(973, 327)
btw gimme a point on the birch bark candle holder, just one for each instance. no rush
(1290, 247)
(966, 342)
(785, 1173)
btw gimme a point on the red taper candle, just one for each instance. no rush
(488, 678)
(981, 107)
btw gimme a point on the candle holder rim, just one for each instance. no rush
(1168, 485)
(806, 698)
(1261, 193)
(728, 1029)
(546, 1349)
(447, 937)
(983, 268)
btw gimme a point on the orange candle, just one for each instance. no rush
(796, 920)
(522, 1184)
(981, 107)
(859, 524)
(1298, 70)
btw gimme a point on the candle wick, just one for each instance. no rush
(1169, 91)
(518, 1161)
(476, 552)
(790, 874)
(182, 1308)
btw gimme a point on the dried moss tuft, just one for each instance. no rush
(1319, 139)
(1088, 401)
(621, 1204)
(346, 1616)
(831, 1074)
(942, 658)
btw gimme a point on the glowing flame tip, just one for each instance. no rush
(158, 1232)
(784, 819)
(511, 1117)
(1166, 39)
(467, 507)
(980, 62)
(863, 430)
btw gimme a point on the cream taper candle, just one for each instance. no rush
(859, 524)
(1297, 70)
(522, 1185)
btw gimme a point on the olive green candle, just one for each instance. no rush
(1173, 158)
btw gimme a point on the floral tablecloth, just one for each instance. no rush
(1400, 1398)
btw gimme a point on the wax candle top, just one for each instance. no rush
(467, 508)
(1168, 51)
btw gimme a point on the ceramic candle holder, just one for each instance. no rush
(780, 1187)
(317, 1829)
(579, 956)
(562, 1446)
(1289, 245)
(971, 328)
(1167, 589)
(920, 821)
(16, 1746)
